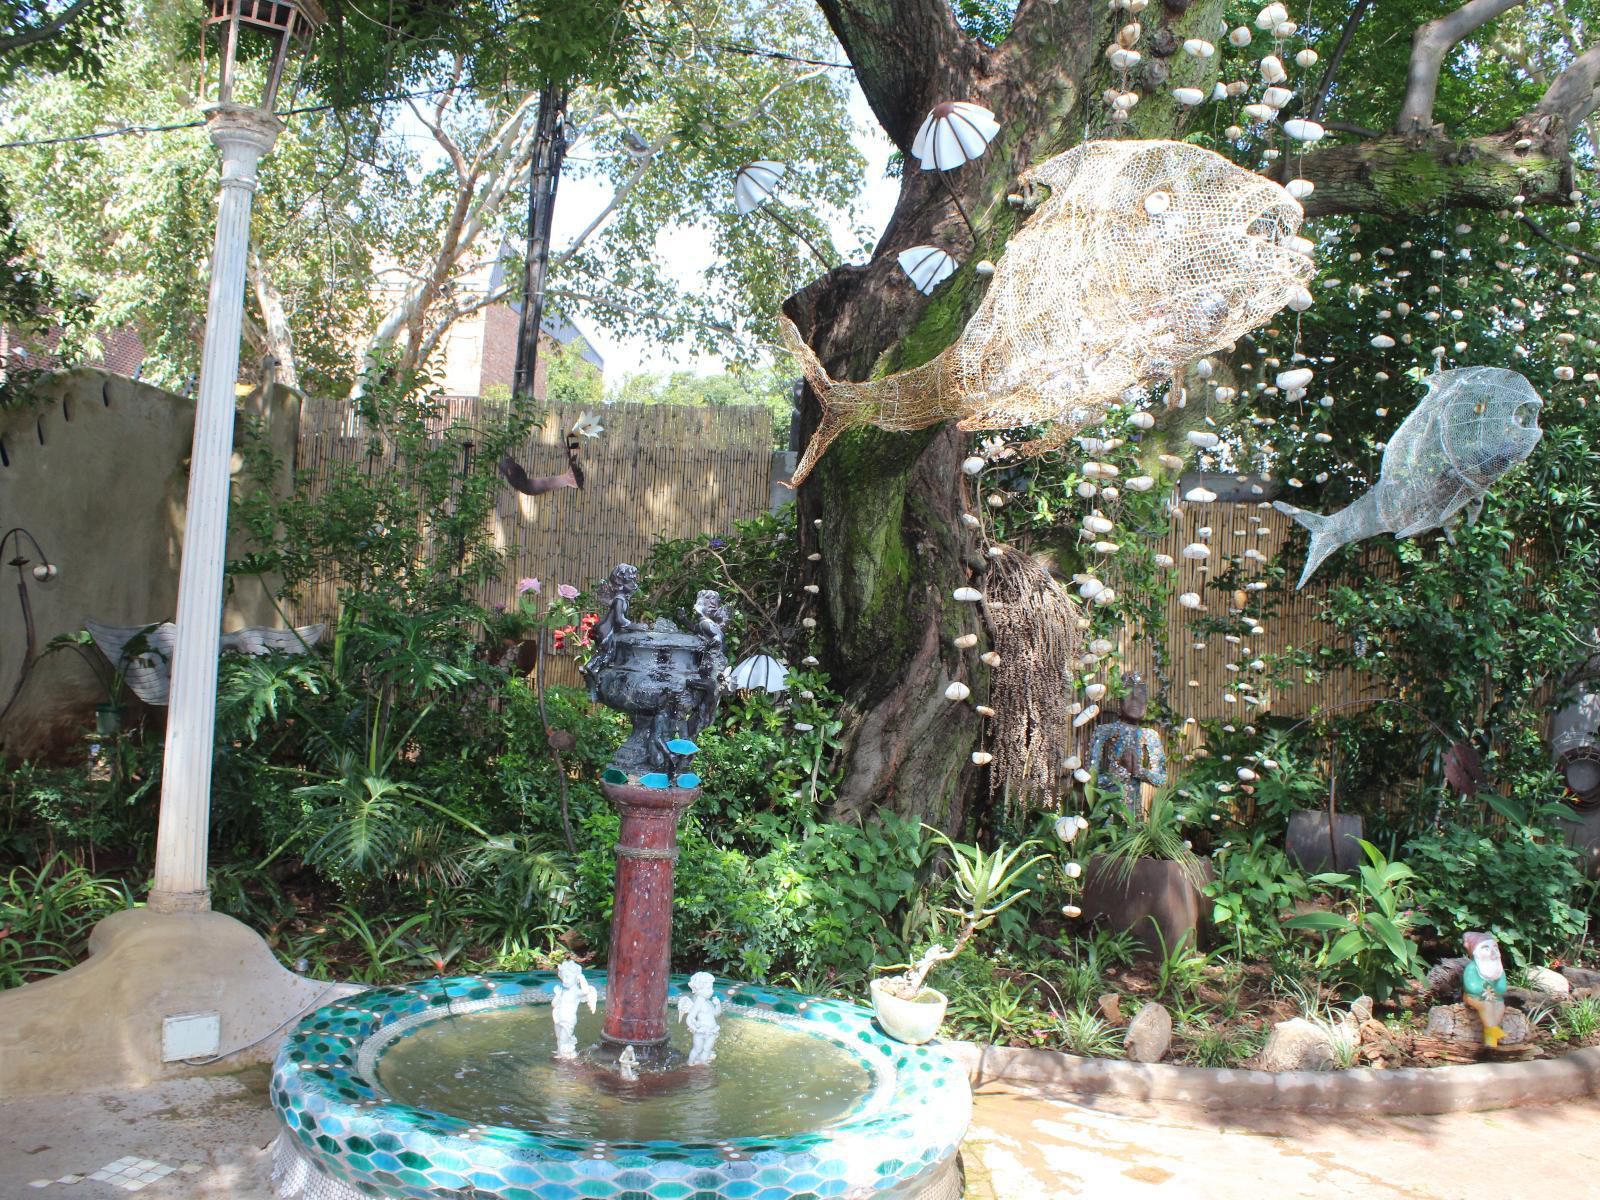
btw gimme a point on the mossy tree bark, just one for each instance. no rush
(884, 508)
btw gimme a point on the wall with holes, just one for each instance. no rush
(96, 469)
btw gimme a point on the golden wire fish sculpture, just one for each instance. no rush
(1144, 257)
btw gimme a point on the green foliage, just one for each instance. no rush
(1220, 1046)
(1366, 941)
(770, 387)
(1122, 838)
(1517, 881)
(1084, 1032)
(1579, 1021)
(1255, 884)
(46, 914)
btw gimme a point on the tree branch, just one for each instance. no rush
(49, 29)
(1573, 95)
(1331, 71)
(903, 52)
(1430, 46)
(1575, 251)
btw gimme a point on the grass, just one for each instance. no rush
(1578, 1021)
(1219, 1045)
(1085, 1033)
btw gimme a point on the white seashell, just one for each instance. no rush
(812, 588)
(1304, 131)
(1125, 101)
(1110, 492)
(1097, 524)
(1233, 133)
(1087, 715)
(1240, 36)
(927, 267)
(1170, 461)
(1219, 91)
(1306, 58)
(755, 184)
(1202, 438)
(1300, 299)
(1164, 560)
(1188, 97)
(1297, 378)
(1087, 489)
(983, 710)
(995, 500)
(1261, 112)
(1190, 600)
(957, 691)
(1304, 246)
(808, 622)
(1255, 555)
(1271, 16)
(1157, 203)
(1195, 551)
(1073, 870)
(1123, 59)
(1199, 48)
(1067, 827)
(1272, 69)
(1200, 495)
(965, 642)
(989, 658)
(810, 660)
(1081, 776)
(982, 757)
(1105, 547)
(1205, 368)
(1564, 373)
(983, 267)
(1276, 97)
(1270, 764)
(1090, 588)
(1285, 29)
(1141, 483)
(1101, 646)
(973, 465)
(970, 521)
(1105, 596)
(1072, 763)
(1225, 394)
(1095, 691)
(968, 594)
(1382, 341)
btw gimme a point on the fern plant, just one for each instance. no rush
(1123, 839)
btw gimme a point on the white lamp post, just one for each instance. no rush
(243, 132)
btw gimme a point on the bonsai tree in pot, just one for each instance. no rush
(985, 885)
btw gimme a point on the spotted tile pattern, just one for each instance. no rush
(340, 1127)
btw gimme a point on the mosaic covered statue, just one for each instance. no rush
(1126, 753)
(1483, 985)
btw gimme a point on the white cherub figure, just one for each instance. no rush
(571, 990)
(699, 1009)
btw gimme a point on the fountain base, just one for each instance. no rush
(441, 1088)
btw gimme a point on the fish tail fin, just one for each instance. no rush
(831, 425)
(1323, 539)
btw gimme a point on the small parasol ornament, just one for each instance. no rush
(928, 267)
(953, 133)
(755, 184)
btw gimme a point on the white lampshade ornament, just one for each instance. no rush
(761, 672)
(953, 133)
(928, 266)
(756, 183)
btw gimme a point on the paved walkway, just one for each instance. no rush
(206, 1139)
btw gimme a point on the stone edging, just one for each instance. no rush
(1360, 1091)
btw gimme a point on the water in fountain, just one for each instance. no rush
(497, 1068)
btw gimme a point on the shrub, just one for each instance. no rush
(46, 914)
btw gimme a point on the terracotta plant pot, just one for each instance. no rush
(910, 1021)
(1155, 902)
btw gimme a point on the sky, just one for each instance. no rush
(687, 252)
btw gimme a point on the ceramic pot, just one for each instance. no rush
(910, 1021)
(108, 719)
(1154, 902)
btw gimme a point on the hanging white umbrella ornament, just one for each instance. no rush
(953, 134)
(756, 183)
(760, 672)
(928, 267)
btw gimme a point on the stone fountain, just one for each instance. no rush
(502, 1087)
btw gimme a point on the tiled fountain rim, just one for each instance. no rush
(337, 1118)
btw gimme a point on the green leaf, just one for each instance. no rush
(1325, 921)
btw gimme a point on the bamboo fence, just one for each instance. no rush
(657, 472)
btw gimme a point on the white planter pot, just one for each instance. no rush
(910, 1021)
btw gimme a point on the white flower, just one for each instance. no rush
(588, 425)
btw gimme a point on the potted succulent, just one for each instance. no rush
(985, 886)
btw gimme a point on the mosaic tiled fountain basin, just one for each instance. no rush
(807, 1099)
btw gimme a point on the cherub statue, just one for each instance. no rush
(1483, 985)
(615, 593)
(700, 1009)
(711, 620)
(570, 990)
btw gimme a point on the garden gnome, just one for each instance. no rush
(570, 990)
(1483, 985)
(699, 1009)
(1127, 753)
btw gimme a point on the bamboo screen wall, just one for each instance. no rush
(658, 471)
(1289, 622)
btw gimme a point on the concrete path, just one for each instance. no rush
(206, 1139)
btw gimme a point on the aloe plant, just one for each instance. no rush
(986, 885)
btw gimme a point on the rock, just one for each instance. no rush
(1444, 978)
(1110, 1006)
(1581, 977)
(1460, 1024)
(1149, 1034)
(1551, 983)
(1361, 1009)
(1297, 1045)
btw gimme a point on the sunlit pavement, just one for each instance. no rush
(1025, 1148)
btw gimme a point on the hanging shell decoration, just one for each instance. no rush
(1094, 295)
(952, 134)
(755, 184)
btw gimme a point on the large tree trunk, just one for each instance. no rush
(884, 508)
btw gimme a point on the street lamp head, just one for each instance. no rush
(253, 41)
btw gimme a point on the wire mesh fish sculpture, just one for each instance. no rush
(1472, 426)
(1145, 256)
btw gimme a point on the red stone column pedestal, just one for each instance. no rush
(641, 915)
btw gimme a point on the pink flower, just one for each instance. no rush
(566, 591)
(527, 585)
